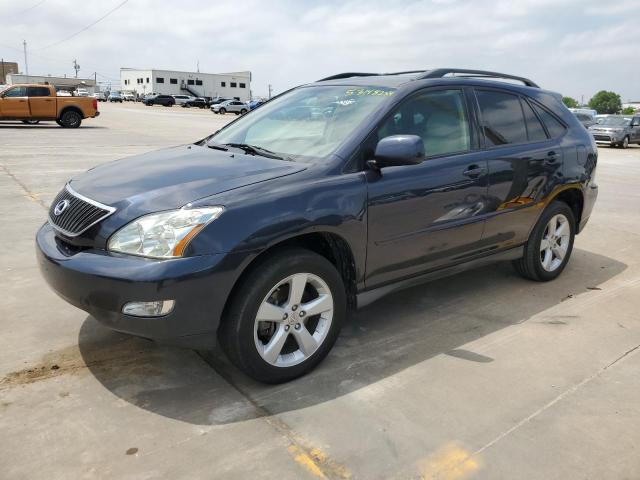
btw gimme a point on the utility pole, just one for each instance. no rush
(26, 64)
(76, 67)
(270, 89)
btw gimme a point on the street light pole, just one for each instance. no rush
(26, 64)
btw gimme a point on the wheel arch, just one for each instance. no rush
(573, 196)
(329, 245)
(71, 108)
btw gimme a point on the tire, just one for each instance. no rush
(543, 264)
(245, 338)
(70, 119)
(243, 111)
(222, 111)
(59, 122)
(625, 143)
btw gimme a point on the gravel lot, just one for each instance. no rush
(481, 375)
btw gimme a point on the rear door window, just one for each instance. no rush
(535, 130)
(502, 118)
(38, 91)
(554, 127)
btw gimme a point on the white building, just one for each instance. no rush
(60, 83)
(170, 82)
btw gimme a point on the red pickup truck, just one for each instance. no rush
(32, 103)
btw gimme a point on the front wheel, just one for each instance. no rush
(285, 316)
(222, 111)
(625, 142)
(549, 247)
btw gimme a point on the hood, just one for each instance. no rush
(173, 177)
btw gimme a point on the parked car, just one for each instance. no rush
(196, 102)
(81, 92)
(217, 100)
(586, 119)
(100, 96)
(267, 233)
(617, 130)
(128, 96)
(233, 106)
(32, 103)
(181, 99)
(255, 104)
(115, 97)
(165, 100)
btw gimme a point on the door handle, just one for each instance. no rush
(474, 171)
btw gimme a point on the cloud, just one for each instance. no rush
(573, 46)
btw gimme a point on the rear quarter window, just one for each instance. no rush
(554, 126)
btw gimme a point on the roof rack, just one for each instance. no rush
(441, 72)
(361, 74)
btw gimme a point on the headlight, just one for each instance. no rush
(164, 234)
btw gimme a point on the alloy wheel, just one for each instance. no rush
(555, 242)
(293, 320)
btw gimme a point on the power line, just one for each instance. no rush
(22, 12)
(85, 28)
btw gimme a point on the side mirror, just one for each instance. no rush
(398, 150)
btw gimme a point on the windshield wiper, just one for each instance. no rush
(255, 150)
(217, 146)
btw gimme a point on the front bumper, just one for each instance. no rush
(100, 283)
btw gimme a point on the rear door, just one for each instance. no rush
(523, 159)
(15, 103)
(426, 216)
(41, 103)
(635, 129)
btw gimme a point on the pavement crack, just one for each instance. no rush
(31, 195)
(557, 399)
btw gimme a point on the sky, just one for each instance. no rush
(576, 47)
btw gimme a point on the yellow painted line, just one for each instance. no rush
(450, 462)
(305, 460)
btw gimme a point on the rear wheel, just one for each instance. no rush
(70, 119)
(285, 316)
(222, 111)
(549, 247)
(243, 111)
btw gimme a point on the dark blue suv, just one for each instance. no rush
(266, 234)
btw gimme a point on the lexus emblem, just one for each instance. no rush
(60, 207)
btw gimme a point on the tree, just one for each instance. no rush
(570, 102)
(628, 111)
(606, 102)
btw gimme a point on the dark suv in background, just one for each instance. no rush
(165, 100)
(267, 233)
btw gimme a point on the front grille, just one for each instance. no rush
(602, 138)
(72, 213)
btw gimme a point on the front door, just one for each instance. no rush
(14, 103)
(42, 105)
(425, 216)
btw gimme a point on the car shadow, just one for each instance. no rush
(395, 333)
(40, 126)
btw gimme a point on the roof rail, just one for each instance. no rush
(360, 74)
(441, 72)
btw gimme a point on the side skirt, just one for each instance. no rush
(369, 296)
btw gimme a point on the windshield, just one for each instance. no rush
(306, 123)
(614, 121)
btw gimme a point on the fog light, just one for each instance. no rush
(148, 309)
